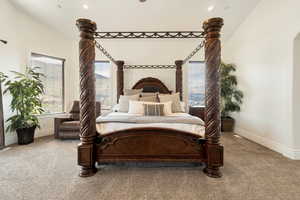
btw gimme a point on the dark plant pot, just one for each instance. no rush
(227, 124)
(26, 135)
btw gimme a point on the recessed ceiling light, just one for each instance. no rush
(85, 6)
(211, 8)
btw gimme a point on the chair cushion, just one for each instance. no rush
(124, 102)
(75, 110)
(70, 126)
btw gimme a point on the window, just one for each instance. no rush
(103, 83)
(196, 83)
(53, 69)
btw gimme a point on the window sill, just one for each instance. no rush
(52, 115)
(197, 106)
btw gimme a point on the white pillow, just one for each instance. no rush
(146, 94)
(183, 106)
(116, 108)
(129, 92)
(167, 106)
(124, 102)
(175, 98)
(136, 107)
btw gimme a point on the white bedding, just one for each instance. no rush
(105, 128)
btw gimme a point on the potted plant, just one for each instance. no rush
(231, 96)
(25, 90)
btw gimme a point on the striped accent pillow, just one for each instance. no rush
(154, 109)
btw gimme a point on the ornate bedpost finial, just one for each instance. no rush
(86, 28)
(212, 29)
(88, 134)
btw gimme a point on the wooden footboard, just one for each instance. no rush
(150, 145)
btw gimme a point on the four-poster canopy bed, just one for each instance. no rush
(148, 144)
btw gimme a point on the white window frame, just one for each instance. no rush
(63, 81)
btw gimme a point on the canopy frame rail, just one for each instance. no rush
(105, 52)
(198, 48)
(149, 67)
(150, 35)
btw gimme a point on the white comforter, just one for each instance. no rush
(105, 128)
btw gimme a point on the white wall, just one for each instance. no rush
(26, 35)
(296, 92)
(262, 48)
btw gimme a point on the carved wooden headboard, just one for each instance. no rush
(150, 84)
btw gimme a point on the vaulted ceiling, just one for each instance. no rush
(133, 15)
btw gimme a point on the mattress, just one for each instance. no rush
(105, 128)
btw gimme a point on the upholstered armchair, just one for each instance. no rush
(68, 127)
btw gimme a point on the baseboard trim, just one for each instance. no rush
(291, 153)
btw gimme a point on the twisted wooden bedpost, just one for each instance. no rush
(120, 78)
(179, 64)
(212, 29)
(86, 149)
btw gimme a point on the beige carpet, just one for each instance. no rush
(47, 170)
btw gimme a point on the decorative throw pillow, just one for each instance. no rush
(124, 102)
(146, 94)
(175, 99)
(153, 109)
(183, 106)
(167, 107)
(116, 108)
(149, 98)
(136, 107)
(132, 91)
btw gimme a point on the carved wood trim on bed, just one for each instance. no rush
(138, 145)
(86, 150)
(150, 84)
(212, 48)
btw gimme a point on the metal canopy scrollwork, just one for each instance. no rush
(150, 34)
(103, 50)
(149, 66)
(198, 48)
(3, 41)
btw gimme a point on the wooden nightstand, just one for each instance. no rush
(197, 111)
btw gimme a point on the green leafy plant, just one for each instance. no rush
(3, 77)
(25, 90)
(231, 96)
